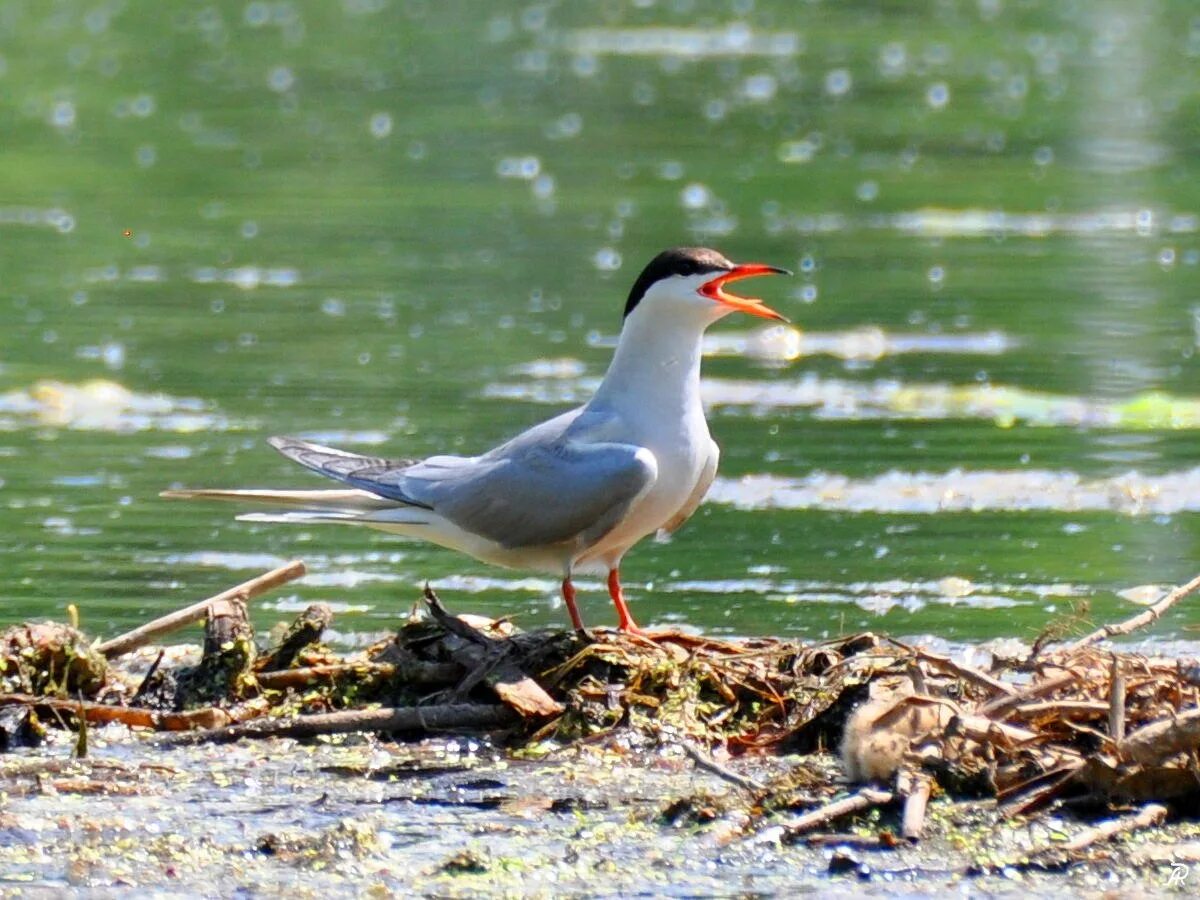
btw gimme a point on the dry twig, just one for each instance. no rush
(885, 840)
(416, 672)
(946, 664)
(132, 716)
(709, 764)
(490, 660)
(400, 718)
(139, 637)
(1034, 793)
(810, 821)
(1151, 814)
(305, 630)
(1060, 709)
(1058, 856)
(916, 789)
(998, 707)
(1154, 744)
(985, 730)
(1116, 701)
(1153, 614)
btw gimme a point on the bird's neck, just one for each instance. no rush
(656, 368)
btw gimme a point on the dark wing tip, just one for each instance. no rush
(292, 448)
(367, 473)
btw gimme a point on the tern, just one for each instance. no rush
(576, 492)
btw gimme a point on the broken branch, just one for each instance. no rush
(709, 764)
(1157, 742)
(916, 789)
(1151, 814)
(399, 718)
(1153, 614)
(416, 672)
(855, 803)
(147, 633)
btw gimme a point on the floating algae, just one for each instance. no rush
(961, 491)
(104, 405)
(836, 398)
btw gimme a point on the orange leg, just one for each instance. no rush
(568, 593)
(624, 619)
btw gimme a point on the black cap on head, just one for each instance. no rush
(676, 261)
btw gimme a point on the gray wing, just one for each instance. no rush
(368, 473)
(543, 494)
(556, 482)
(388, 477)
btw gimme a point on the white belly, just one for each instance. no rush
(681, 463)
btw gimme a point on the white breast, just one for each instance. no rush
(681, 453)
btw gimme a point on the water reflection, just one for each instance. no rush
(395, 225)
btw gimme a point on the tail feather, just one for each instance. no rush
(305, 517)
(370, 473)
(349, 501)
(398, 519)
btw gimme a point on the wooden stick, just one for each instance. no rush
(490, 660)
(1150, 814)
(139, 637)
(705, 762)
(146, 679)
(306, 629)
(810, 821)
(433, 674)
(986, 731)
(916, 789)
(1153, 614)
(1038, 791)
(999, 706)
(1157, 742)
(453, 623)
(995, 685)
(1148, 854)
(399, 718)
(1060, 708)
(133, 716)
(885, 840)
(1059, 856)
(1116, 701)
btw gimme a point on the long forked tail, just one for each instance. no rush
(358, 504)
(337, 500)
(348, 507)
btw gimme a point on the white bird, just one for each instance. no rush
(575, 492)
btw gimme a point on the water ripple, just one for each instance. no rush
(102, 405)
(735, 39)
(835, 398)
(962, 491)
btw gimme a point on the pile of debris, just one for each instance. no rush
(1067, 723)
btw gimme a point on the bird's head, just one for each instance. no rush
(691, 282)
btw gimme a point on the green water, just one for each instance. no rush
(355, 220)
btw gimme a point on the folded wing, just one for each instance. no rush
(543, 495)
(526, 494)
(369, 473)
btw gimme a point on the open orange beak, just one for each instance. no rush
(715, 290)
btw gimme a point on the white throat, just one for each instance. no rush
(656, 368)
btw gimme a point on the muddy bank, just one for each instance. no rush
(465, 756)
(459, 817)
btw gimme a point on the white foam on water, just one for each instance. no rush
(959, 491)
